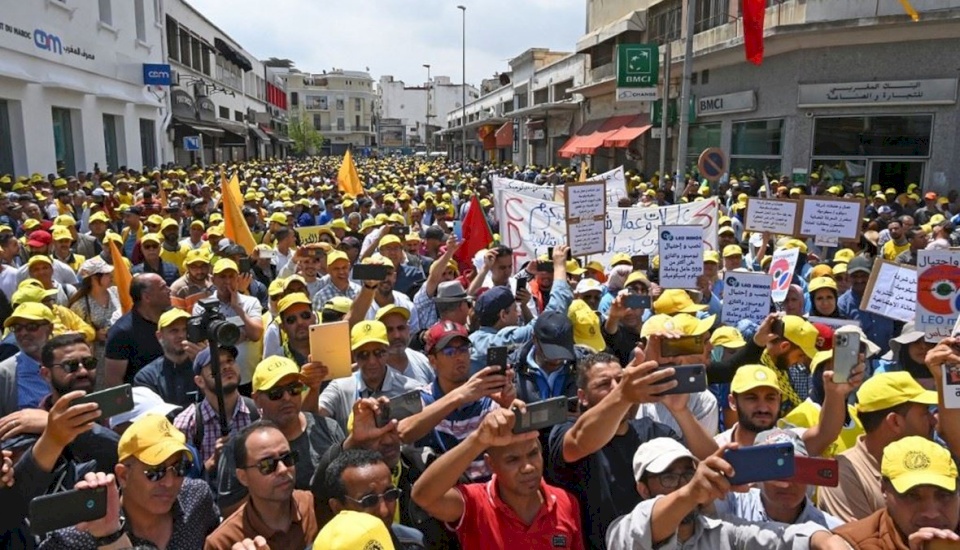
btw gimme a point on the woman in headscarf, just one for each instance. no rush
(823, 297)
(794, 303)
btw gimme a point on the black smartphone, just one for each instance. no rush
(245, 265)
(640, 262)
(370, 272)
(112, 401)
(761, 463)
(540, 415)
(497, 356)
(637, 301)
(690, 379)
(573, 405)
(66, 509)
(521, 283)
(400, 230)
(685, 345)
(400, 407)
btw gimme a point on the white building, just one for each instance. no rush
(409, 105)
(72, 92)
(340, 105)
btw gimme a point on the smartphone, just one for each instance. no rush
(573, 405)
(400, 230)
(245, 265)
(400, 407)
(66, 508)
(637, 301)
(685, 345)
(846, 355)
(822, 472)
(640, 262)
(761, 463)
(540, 415)
(112, 401)
(370, 272)
(497, 356)
(550, 253)
(521, 283)
(690, 379)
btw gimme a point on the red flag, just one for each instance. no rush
(753, 14)
(476, 233)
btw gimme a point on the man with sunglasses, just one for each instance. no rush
(159, 507)
(152, 262)
(282, 516)
(21, 386)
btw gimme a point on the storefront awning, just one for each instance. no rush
(259, 134)
(592, 134)
(632, 130)
(505, 136)
(206, 129)
(236, 134)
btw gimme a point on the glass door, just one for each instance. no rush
(63, 141)
(896, 173)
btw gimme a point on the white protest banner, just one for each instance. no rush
(586, 209)
(833, 322)
(542, 192)
(681, 255)
(616, 186)
(830, 217)
(746, 295)
(891, 291)
(778, 216)
(530, 225)
(782, 265)
(938, 281)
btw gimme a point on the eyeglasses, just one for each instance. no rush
(276, 394)
(268, 466)
(71, 366)
(291, 319)
(149, 246)
(453, 351)
(29, 327)
(157, 473)
(672, 481)
(365, 354)
(369, 501)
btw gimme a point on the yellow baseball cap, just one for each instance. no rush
(392, 308)
(278, 217)
(843, 255)
(272, 370)
(711, 256)
(154, 219)
(340, 304)
(31, 294)
(749, 377)
(336, 256)
(216, 217)
(637, 277)
(680, 322)
(65, 220)
(676, 300)
(573, 268)
(291, 300)
(802, 333)
(152, 439)
(276, 287)
(586, 326)
(727, 337)
(99, 217)
(620, 258)
(39, 259)
(61, 233)
(913, 461)
(889, 389)
(151, 238)
(732, 250)
(350, 530)
(168, 223)
(225, 264)
(388, 240)
(820, 283)
(170, 317)
(367, 332)
(196, 256)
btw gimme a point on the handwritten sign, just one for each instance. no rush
(778, 216)
(616, 186)
(681, 255)
(938, 281)
(746, 295)
(782, 266)
(532, 190)
(831, 217)
(586, 210)
(891, 291)
(530, 225)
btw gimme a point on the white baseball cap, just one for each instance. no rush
(656, 455)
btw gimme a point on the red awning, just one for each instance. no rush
(505, 136)
(629, 132)
(593, 135)
(569, 148)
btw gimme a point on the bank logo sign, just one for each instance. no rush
(156, 74)
(637, 70)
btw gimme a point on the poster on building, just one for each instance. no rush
(891, 291)
(782, 266)
(681, 255)
(938, 281)
(746, 295)
(586, 212)
(777, 216)
(830, 217)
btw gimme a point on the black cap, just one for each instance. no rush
(553, 332)
(434, 232)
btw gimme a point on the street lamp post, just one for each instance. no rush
(426, 126)
(463, 88)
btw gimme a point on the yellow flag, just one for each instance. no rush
(235, 226)
(121, 277)
(163, 196)
(583, 171)
(908, 7)
(347, 179)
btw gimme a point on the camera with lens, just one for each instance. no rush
(212, 326)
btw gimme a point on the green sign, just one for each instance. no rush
(673, 115)
(638, 65)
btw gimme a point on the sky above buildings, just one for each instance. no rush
(397, 37)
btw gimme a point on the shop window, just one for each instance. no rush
(63, 140)
(148, 143)
(702, 136)
(6, 139)
(756, 148)
(873, 136)
(224, 113)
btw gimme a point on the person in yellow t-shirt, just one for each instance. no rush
(62, 241)
(172, 250)
(898, 243)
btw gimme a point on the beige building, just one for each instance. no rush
(339, 103)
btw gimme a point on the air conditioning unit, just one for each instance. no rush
(174, 77)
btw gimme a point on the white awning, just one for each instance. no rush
(633, 21)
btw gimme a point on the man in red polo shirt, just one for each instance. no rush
(515, 509)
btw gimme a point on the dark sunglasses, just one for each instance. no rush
(269, 465)
(291, 319)
(276, 394)
(369, 501)
(71, 366)
(149, 246)
(157, 473)
(29, 327)
(364, 355)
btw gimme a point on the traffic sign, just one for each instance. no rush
(712, 164)
(191, 143)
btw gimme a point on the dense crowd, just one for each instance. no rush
(116, 279)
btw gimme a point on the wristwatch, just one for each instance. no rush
(112, 538)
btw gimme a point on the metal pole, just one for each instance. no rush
(664, 123)
(426, 127)
(202, 162)
(463, 88)
(684, 106)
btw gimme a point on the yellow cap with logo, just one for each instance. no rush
(889, 389)
(152, 440)
(272, 370)
(749, 377)
(368, 332)
(914, 461)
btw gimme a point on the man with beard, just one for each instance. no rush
(311, 264)
(400, 357)
(21, 386)
(791, 343)
(674, 487)
(877, 328)
(281, 516)
(196, 278)
(152, 261)
(171, 376)
(172, 250)
(132, 341)
(375, 295)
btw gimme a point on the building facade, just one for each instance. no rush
(416, 108)
(339, 104)
(72, 90)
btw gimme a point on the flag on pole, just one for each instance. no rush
(753, 14)
(766, 186)
(347, 178)
(476, 233)
(583, 171)
(908, 7)
(121, 277)
(235, 226)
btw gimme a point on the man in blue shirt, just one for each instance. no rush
(877, 329)
(21, 386)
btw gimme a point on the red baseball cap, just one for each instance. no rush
(39, 239)
(442, 334)
(930, 196)
(824, 337)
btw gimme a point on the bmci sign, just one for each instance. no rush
(156, 74)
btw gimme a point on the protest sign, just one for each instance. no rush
(530, 225)
(542, 192)
(831, 217)
(746, 295)
(891, 291)
(778, 216)
(938, 279)
(616, 186)
(782, 265)
(310, 235)
(681, 255)
(586, 211)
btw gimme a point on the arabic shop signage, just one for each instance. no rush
(941, 91)
(42, 40)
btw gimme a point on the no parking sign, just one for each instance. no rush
(712, 164)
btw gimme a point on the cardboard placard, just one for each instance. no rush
(330, 345)
(746, 295)
(586, 217)
(777, 216)
(782, 266)
(938, 281)
(830, 217)
(681, 255)
(891, 291)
